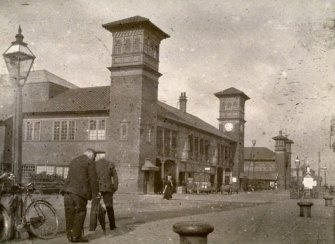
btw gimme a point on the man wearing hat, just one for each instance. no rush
(80, 186)
(108, 185)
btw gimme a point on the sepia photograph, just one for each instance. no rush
(154, 121)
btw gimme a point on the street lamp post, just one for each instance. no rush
(297, 165)
(19, 60)
(253, 161)
(325, 171)
(253, 165)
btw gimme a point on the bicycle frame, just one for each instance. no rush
(29, 214)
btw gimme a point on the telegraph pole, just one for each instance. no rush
(319, 177)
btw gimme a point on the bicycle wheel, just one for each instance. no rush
(42, 219)
(5, 224)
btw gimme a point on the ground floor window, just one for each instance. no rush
(51, 170)
(28, 170)
(62, 171)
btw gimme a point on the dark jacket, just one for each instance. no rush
(108, 179)
(82, 178)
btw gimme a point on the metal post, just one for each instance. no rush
(297, 165)
(18, 122)
(193, 232)
(319, 177)
(298, 183)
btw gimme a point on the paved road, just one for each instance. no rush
(243, 218)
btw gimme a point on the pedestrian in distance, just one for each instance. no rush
(108, 185)
(168, 188)
(80, 186)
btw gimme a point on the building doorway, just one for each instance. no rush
(158, 182)
(170, 169)
(227, 177)
(219, 177)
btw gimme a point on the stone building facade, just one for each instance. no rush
(147, 139)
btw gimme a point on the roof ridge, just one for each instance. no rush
(180, 113)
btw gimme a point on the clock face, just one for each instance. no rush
(229, 126)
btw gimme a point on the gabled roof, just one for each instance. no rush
(232, 91)
(259, 154)
(133, 22)
(39, 76)
(74, 100)
(169, 112)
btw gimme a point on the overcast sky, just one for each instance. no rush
(280, 53)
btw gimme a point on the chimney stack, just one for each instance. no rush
(182, 102)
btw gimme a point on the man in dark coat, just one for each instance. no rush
(80, 186)
(108, 184)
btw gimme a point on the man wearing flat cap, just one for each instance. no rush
(80, 186)
(108, 185)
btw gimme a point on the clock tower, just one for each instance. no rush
(231, 122)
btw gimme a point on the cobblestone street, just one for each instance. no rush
(256, 217)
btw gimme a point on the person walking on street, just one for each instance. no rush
(108, 185)
(80, 186)
(168, 188)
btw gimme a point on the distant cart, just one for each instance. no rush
(47, 184)
(200, 187)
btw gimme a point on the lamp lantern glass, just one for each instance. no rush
(19, 59)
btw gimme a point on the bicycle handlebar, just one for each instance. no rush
(19, 186)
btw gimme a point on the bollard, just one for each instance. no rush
(193, 232)
(328, 201)
(305, 209)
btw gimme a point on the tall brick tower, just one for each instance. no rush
(133, 101)
(283, 160)
(231, 122)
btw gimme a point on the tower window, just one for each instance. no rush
(137, 44)
(149, 135)
(118, 46)
(124, 130)
(127, 45)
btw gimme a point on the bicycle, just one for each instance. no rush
(38, 218)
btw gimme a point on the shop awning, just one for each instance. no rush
(148, 166)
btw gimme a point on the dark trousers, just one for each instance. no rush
(108, 200)
(75, 213)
